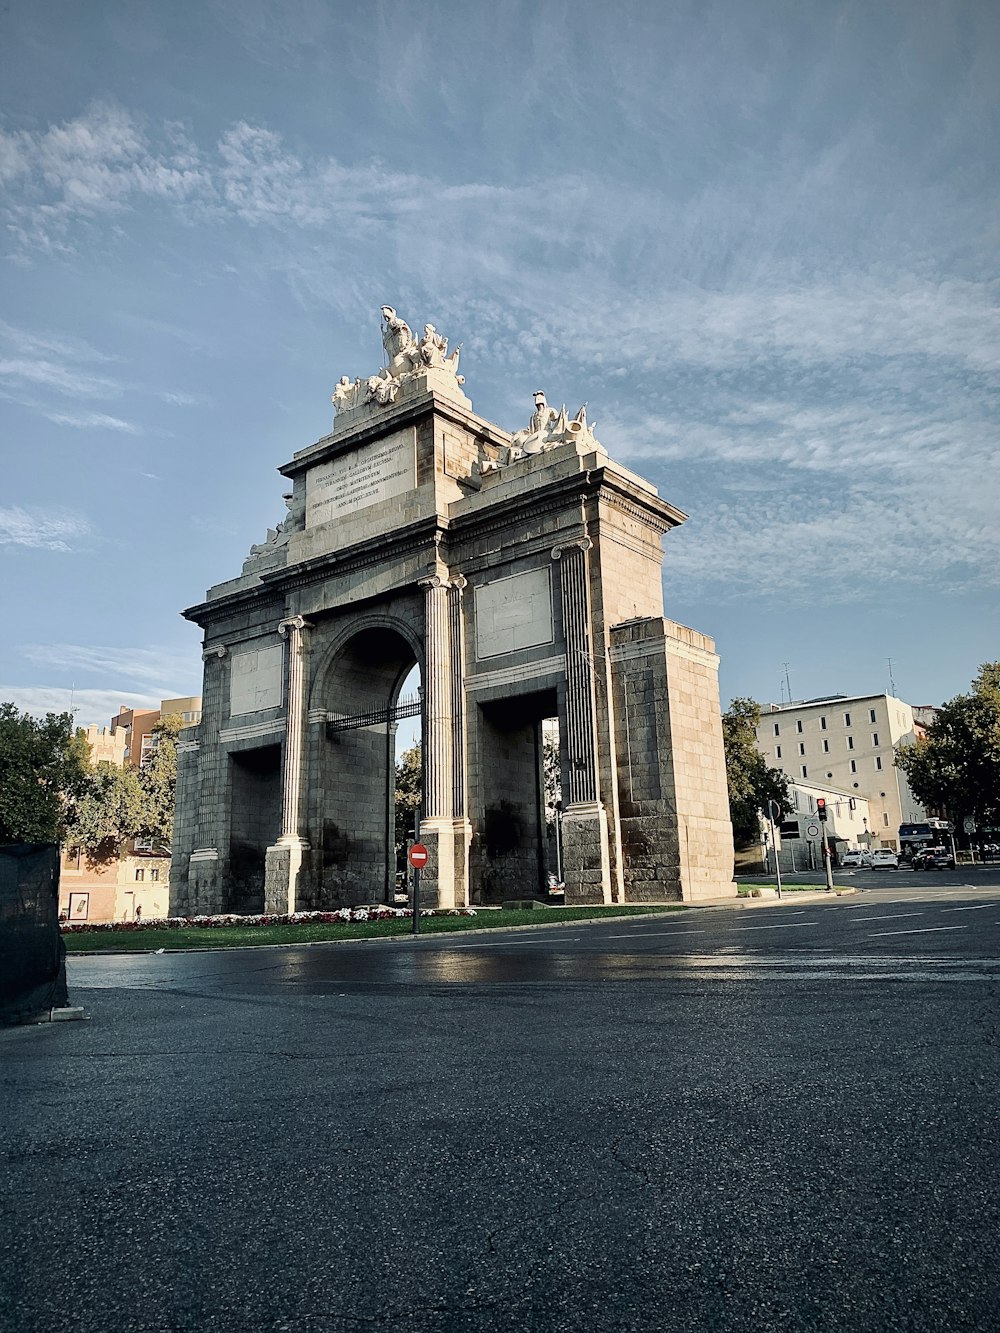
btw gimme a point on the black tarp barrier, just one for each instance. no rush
(32, 953)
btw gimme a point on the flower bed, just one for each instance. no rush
(344, 915)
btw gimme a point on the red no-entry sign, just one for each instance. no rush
(418, 856)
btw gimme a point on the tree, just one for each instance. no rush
(43, 769)
(955, 768)
(752, 784)
(107, 811)
(409, 789)
(158, 784)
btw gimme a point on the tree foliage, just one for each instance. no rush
(44, 767)
(409, 789)
(106, 811)
(158, 784)
(752, 783)
(955, 768)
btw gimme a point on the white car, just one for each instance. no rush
(856, 858)
(883, 859)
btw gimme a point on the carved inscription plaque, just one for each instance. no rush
(255, 680)
(375, 472)
(513, 613)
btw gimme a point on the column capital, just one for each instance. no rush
(293, 623)
(578, 543)
(431, 581)
(458, 581)
(219, 650)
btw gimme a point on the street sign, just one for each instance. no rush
(812, 830)
(969, 824)
(774, 812)
(417, 856)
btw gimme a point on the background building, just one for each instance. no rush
(848, 820)
(847, 742)
(96, 890)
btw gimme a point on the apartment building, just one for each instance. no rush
(138, 723)
(847, 742)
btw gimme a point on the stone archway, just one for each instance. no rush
(351, 800)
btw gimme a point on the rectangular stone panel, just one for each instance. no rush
(365, 476)
(255, 680)
(514, 613)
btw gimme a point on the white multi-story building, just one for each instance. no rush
(848, 743)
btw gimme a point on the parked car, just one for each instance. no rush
(855, 857)
(933, 858)
(884, 859)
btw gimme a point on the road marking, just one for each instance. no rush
(505, 944)
(784, 925)
(650, 934)
(893, 916)
(979, 907)
(921, 930)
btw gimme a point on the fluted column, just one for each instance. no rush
(437, 700)
(456, 635)
(580, 746)
(291, 791)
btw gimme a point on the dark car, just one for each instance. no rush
(934, 858)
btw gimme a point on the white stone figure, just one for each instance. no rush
(382, 388)
(549, 428)
(433, 348)
(263, 554)
(406, 361)
(397, 338)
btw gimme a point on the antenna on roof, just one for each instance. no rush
(892, 683)
(788, 683)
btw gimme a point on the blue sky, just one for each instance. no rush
(760, 239)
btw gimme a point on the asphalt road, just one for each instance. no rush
(750, 1118)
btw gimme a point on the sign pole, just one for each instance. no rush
(417, 857)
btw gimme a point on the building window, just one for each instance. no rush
(871, 715)
(822, 724)
(885, 820)
(802, 748)
(878, 762)
(854, 765)
(777, 752)
(875, 738)
(805, 773)
(777, 729)
(847, 719)
(798, 727)
(154, 874)
(852, 804)
(850, 742)
(139, 875)
(826, 746)
(812, 805)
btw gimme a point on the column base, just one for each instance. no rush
(285, 867)
(444, 881)
(586, 854)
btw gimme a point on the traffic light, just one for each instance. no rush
(821, 809)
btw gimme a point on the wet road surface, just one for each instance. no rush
(746, 1118)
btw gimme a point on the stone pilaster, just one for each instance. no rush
(285, 862)
(587, 862)
(443, 826)
(437, 700)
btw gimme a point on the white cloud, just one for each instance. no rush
(159, 669)
(89, 707)
(42, 529)
(93, 421)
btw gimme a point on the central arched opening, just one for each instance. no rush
(371, 695)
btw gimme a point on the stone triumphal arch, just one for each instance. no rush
(521, 574)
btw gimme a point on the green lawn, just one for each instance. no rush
(143, 941)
